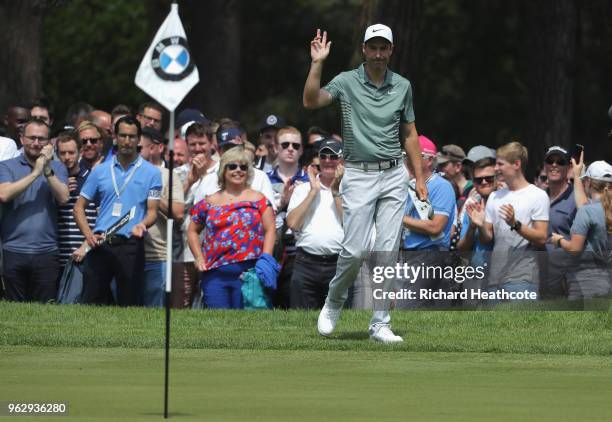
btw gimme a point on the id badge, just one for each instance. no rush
(117, 209)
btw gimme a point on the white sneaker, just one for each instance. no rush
(384, 334)
(327, 320)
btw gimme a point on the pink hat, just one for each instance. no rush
(427, 146)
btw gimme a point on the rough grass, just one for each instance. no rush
(575, 333)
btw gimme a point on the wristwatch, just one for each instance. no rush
(48, 172)
(516, 226)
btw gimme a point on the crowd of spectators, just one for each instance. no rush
(92, 192)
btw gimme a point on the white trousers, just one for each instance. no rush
(369, 198)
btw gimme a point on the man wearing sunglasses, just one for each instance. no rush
(92, 144)
(562, 214)
(377, 112)
(315, 214)
(285, 177)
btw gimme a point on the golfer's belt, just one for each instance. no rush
(373, 165)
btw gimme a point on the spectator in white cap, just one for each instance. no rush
(591, 237)
(377, 111)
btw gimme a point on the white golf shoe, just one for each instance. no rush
(383, 334)
(327, 320)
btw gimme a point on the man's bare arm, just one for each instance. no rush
(315, 97)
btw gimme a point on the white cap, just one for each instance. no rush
(599, 170)
(378, 30)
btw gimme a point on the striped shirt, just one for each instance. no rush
(69, 237)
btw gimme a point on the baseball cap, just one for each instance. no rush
(599, 170)
(330, 144)
(427, 146)
(229, 136)
(480, 152)
(154, 134)
(378, 30)
(272, 120)
(190, 115)
(452, 153)
(556, 150)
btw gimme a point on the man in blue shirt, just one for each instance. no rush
(425, 241)
(124, 184)
(31, 188)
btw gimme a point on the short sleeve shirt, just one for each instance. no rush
(590, 222)
(371, 115)
(29, 221)
(442, 198)
(144, 184)
(233, 232)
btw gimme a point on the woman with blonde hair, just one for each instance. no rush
(239, 230)
(591, 237)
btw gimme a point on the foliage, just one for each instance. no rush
(92, 49)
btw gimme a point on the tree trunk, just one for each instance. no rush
(20, 55)
(550, 46)
(215, 44)
(404, 18)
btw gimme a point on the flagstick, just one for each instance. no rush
(169, 231)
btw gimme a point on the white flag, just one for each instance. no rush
(167, 71)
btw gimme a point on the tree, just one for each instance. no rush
(20, 73)
(550, 48)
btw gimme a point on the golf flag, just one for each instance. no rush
(167, 71)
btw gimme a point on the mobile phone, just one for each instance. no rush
(577, 151)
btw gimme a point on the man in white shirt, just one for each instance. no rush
(315, 215)
(516, 220)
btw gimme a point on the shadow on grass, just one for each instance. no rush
(353, 335)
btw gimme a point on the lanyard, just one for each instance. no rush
(127, 179)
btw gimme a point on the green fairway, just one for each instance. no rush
(126, 384)
(272, 366)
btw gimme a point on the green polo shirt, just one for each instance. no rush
(371, 116)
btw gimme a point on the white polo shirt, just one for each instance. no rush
(322, 232)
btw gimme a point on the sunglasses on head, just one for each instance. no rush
(543, 178)
(324, 156)
(558, 161)
(295, 145)
(234, 166)
(480, 180)
(92, 141)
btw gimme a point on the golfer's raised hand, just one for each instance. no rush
(319, 47)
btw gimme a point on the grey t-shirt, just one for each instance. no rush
(590, 221)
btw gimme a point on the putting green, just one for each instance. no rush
(309, 385)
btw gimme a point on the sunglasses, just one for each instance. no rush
(559, 161)
(329, 156)
(543, 178)
(92, 141)
(296, 146)
(318, 167)
(481, 180)
(234, 166)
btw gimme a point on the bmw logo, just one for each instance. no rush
(171, 59)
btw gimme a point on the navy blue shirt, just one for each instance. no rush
(29, 221)
(299, 176)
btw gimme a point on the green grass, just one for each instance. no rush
(580, 333)
(272, 366)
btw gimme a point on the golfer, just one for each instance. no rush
(377, 121)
